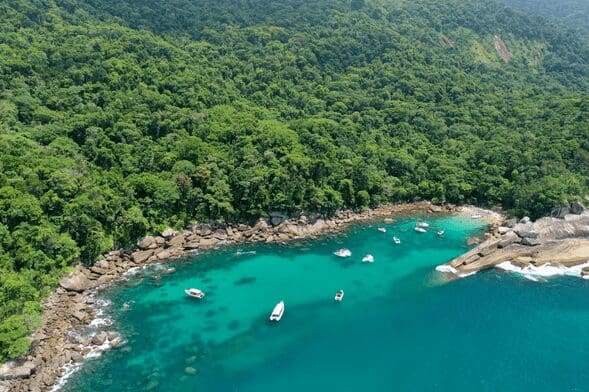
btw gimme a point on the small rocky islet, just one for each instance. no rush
(561, 239)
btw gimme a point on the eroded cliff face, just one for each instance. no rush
(562, 239)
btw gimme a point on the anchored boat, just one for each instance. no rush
(422, 224)
(339, 296)
(382, 229)
(420, 230)
(368, 259)
(440, 233)
(195, 293)
(396, 240)
(343, 253)
(277, 312)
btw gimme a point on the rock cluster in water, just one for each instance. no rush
(562, 239)
(67, 313)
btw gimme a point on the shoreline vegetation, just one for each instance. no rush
(59, 346)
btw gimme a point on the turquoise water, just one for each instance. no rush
(400, 327)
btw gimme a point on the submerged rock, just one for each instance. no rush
(190, 370)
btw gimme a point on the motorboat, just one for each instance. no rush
(169, 270)
(277, 312)
(343, 252)
(339, 296)
(422, 224)
(195, 293)
(368, 259)
(396, 240)
(440, 233)
(420, 230)
(382, 229)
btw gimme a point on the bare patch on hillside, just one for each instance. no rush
(446, 42)
(502, 50)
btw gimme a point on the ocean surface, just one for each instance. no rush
(402, 325)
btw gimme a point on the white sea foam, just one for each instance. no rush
(131, 272)
(451, 270)
(533, 272)
(446, 268)
(242, 253)
(72, 367)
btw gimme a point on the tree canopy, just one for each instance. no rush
(119, 118)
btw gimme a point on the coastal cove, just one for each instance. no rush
(175, 343)
(399, 325)
(73, 306)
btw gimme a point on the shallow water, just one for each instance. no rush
(401, 325)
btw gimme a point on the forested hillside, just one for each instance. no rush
(119, 118)
(571, 13)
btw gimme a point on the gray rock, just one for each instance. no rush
(531, 241)
(510, 223)
(77, 281)
(142, 255)
(148, 242)
(177, 240)
(102, 264)
(207, 243)
(525, 230)
(169, 232)
(503, 229)
(99, 338)
(79, 315)
(576, 208)
(525, 220)
(12, 370)
(508, 239)
(4, 388)
(560, 212)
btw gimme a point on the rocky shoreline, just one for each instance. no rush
(66, 338)
(561, 240)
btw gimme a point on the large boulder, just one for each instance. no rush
(142, 255)
(508, 239)
(77, 281)
(14, 370)
(169, 232)
(560, 212)
(510, 223)
(531, 241)
(525, 230)
(99, 338)
(207, 243)
(148, 242)
(576, 208)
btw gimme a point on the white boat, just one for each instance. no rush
(420, 230)
(440, 233)
(476, 217)
(368, 259)
(339, 296)
(382, 229)
(277, 312)
(422, 224)
(195, 293)
(396, 240)
(343, 252)
(169, 270)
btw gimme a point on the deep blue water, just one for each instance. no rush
(401, 327)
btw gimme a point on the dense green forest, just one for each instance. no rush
(119, 118)
(571, 13)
